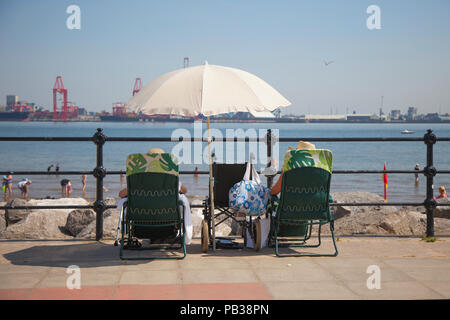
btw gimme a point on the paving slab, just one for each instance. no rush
(360, 274)
(149, 277)
(395, 290)
(218, 276)
(309, 290)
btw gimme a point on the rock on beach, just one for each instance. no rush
(78, 220)
(361, 197)
(383, 220)
(40, 223)
(110, 222)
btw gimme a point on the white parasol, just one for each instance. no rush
(206, 90)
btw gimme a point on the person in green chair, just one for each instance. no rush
(276, 189)
(183, 190)
(303, 186)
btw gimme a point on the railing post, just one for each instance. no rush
(99, 173)
(430, 171)
(269, 156)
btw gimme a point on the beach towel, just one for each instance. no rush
(316, 158)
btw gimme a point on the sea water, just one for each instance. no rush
(81, 156)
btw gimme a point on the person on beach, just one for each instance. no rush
(84, 181)
(7, 187)
(417, 168)
(182, 196)
(442, 193)
(276, 189)
(23, 187)
(57, 168)
(49, 168)
(196, 174)
(66, 187)
(4, 185)
(122, 177)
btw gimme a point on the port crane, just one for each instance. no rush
(62, 109)
(137, 86)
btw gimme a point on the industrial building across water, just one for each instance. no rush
(66, 110)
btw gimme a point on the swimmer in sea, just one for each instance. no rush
(417, 168)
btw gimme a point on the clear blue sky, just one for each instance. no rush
(283, 42)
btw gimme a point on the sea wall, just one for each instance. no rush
(80, 224)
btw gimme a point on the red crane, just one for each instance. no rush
(58, 90)
(137, 86)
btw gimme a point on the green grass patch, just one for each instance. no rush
(429, 239)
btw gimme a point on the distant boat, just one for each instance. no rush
(406, 131)
(13, 115)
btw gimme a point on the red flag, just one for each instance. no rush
(385, 183)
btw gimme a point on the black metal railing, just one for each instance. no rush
(99, 172)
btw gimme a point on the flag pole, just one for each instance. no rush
(211, 189)
(385, 183)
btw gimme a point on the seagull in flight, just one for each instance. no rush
(327, 63)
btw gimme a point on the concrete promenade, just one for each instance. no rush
(409, 267)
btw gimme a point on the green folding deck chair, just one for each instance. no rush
(153, 209)
(304, 201)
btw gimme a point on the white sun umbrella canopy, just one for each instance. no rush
(207, 90)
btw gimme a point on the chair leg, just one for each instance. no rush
(122, 243)
(308, 233)
(292, 244)
(318, 238)
(309, 246)
(183, 239)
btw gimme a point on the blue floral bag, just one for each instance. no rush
(249, 196)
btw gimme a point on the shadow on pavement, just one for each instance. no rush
(98, 254)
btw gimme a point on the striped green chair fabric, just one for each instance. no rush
(153, 208)
(304, 199)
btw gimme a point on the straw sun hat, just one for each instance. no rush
(304, 145)
(156, 150)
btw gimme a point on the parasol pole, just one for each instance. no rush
(211, 189)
